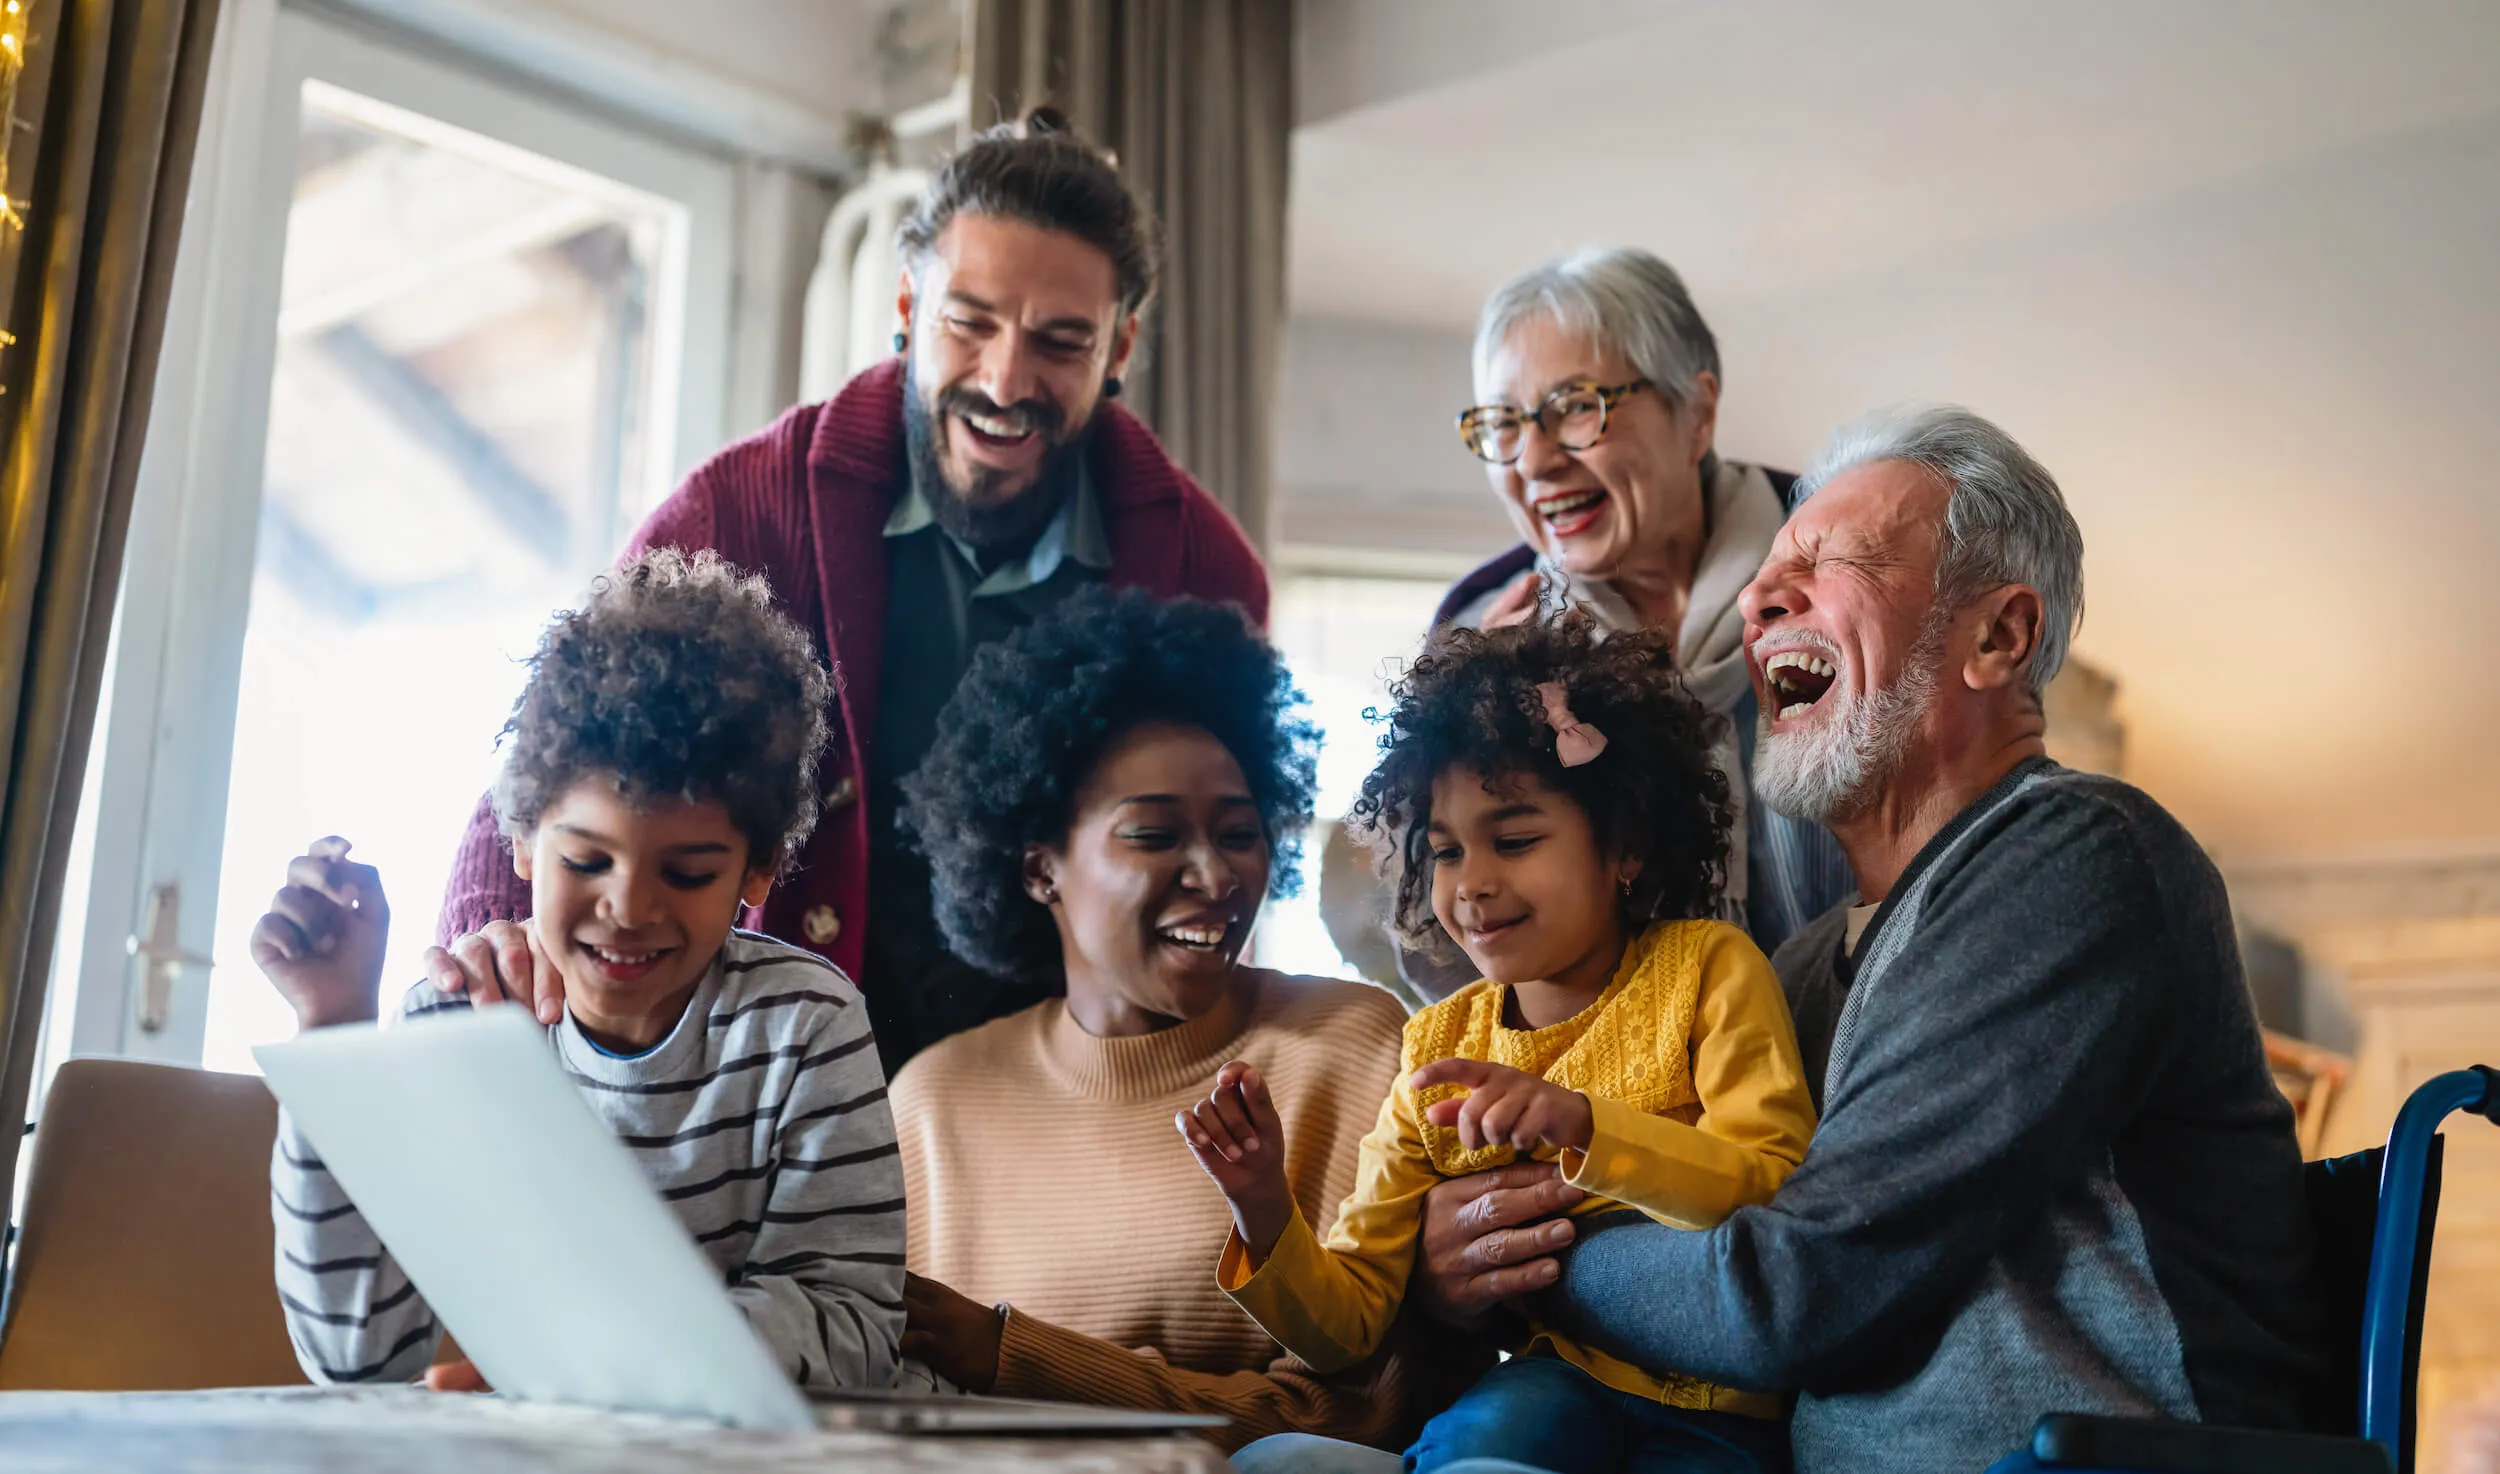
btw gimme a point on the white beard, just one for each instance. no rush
(1828, 770)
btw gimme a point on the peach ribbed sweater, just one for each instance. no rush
(1043, 1170)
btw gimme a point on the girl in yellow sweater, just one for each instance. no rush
(1551, 803)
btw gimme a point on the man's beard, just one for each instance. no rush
(983, 515)
(1831, 769)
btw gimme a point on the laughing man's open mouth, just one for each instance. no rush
(1798, 679)
(1008, 431)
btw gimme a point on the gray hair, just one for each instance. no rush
(1617, 297)
(2006, 521)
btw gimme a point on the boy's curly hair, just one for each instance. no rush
(1470, 699)
(1035, 712)
(677, 678)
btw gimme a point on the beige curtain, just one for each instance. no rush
(1196, 98)
(103, 121)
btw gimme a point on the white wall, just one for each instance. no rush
(1353, 54)
(812, 54)
(1366, 455)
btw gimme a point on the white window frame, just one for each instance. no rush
(164, 748)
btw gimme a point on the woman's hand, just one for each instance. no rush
(1236, 1137)
(1506, 1107)
(322, 940)
(950, 1335)
(1514, 604)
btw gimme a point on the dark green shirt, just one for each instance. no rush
(943, 603)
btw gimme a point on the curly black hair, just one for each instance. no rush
(1654, 794)
(676, 678)
(1035, 712)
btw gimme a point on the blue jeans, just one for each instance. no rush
(1542, 1415)
(1308, 1453)
(1546, 1413)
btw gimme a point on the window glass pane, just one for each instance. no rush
(459, 422)
(1345, 639)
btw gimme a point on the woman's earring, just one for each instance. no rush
(902, 341)
(1623, 884)
(1050, 895)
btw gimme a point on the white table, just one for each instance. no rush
(405, 1430)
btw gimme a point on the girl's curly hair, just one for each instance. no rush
(1470, 699)
(677, 678)
(1035, 712)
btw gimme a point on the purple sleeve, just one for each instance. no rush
(483, 886)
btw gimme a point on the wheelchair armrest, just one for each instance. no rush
(2159, 1446)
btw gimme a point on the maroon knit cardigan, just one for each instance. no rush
(805, 503)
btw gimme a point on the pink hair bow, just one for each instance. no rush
(1575, 741)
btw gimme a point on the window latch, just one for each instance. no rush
(160, 947)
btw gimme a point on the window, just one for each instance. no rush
(1345, 638)
(437, 345)
(459, 435)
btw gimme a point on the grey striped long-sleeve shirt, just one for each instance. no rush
(761, 1118)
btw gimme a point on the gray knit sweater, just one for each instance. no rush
(761, 1118)
(2053, 1171)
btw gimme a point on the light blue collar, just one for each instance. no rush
(1075, 531)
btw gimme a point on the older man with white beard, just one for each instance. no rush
(2053, 1173)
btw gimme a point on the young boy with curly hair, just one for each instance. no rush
(1549, 801)
(660, 773)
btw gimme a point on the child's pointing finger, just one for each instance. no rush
(1471, 1073)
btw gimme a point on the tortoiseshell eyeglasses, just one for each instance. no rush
(1573, 416)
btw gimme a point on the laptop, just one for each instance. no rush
(544, 1250)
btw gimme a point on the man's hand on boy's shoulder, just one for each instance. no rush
(500, 962)
(322, 940)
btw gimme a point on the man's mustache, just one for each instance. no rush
(1024, 414)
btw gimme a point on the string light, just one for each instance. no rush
(14, 21)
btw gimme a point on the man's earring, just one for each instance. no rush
(1111, 387)
(902, 341)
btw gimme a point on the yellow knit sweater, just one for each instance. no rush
(1043, 1170)
(1699, 1101)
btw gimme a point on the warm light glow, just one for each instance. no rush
(13, 24)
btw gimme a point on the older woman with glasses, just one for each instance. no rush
(1598, 390)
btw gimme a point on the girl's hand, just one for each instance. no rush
(322, 940)
(1236, 1137)
(1506, 1107)
(955, 1337)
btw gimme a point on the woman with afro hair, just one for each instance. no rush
(1114, 791)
